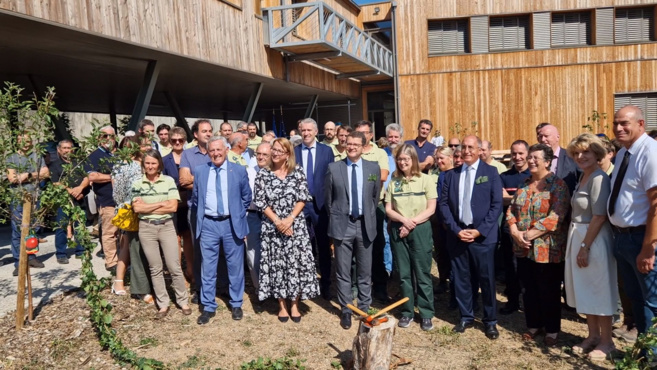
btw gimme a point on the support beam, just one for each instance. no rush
(180, 117)
(145, 94)
(356, 75)
(315, 56)
(253, 103)
(311, 106)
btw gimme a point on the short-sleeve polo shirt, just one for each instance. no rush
(236, 158)
(100, 161)
(163, 189)
(423, 151)
(409, 197)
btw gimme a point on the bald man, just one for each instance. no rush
(330, 137)
(562, 165)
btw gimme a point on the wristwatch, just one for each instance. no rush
(583, 245)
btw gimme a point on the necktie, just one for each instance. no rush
(618, 182)
(309, 171)
(467, 195)
(354, 192)
(220, 199)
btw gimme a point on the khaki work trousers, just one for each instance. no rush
(108, 236)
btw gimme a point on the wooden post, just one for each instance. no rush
(372, 349)
(22, 263)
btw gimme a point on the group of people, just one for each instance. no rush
(566, 221)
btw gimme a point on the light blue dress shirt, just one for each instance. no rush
(211, 195)
(359, 182)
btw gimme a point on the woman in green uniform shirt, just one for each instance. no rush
(410, 202)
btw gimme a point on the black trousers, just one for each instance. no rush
(542, 295)
(440, 254)
(510, 270)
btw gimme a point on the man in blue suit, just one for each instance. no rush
(315, 157)
(470, 203)
(221, 223)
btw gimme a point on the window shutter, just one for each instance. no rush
(496, 36)
(604, 26)
(448, 37)
(634, 24)
(571, 29)
(509, 33)
(541, 31)
(479, 32)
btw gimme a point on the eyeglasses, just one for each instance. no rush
(278, 151)
(177, 141)
(105, 136)
(403, 159)
(354, 145)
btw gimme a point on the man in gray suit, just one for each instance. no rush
(352, 193)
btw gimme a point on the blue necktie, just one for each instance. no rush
(220, 200)
(310, 173)
(354, 192)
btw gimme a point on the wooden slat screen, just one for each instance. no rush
(448, 37)
(604, 26)
(509, 33)
(571, 29)
(541, 30)
(479, 33)
(647, 102)
(634, 24)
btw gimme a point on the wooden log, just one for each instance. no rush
(372, 348)
(22, 263)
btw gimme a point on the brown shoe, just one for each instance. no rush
(162, 314)
(551, 342)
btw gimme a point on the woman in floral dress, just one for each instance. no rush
(287, 267)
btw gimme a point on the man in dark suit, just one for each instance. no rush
(470, 203)
(352, 195)
(315, 157)
(562, 165)
(221, 224)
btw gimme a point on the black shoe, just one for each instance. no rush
(100, 254)
(237, 313)
(491, 332)
(112, 270)
(62, 261)
(194, 299)
(460, 327)
(426, 324)
(35, 263)
(509, 308)
(15, 273)
(405, 322)
(205, 317)
(345, 320)
(296, 319)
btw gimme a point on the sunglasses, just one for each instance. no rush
(453, 145)
(177, 141)
(105, 136)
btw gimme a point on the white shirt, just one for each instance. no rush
(252, 172)
(632, 204)
(472, 168)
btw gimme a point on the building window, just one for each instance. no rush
(448, 37)
(634, 24)
(509, 33)
(571, 29)
(646, 101)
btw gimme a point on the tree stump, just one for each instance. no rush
(372, 349)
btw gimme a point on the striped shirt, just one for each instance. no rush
(163, 189)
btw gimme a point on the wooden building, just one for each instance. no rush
(510, 65)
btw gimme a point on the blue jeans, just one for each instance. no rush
(16, 220)
(387, 251)
(61, 236)
(640, 288)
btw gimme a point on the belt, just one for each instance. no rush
(217, 218)
(628, 230)
(157, 222)
(354, 219)
(254, 211)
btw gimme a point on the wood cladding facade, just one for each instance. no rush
(509, 93)
(213, 31)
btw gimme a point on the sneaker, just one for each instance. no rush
(35, 263)
(15, 273)
(405, 322)
(426, 324)
(630, 335)
(62, 261)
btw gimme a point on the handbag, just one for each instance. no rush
(125, 218)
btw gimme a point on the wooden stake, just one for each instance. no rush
(22, 263)
(372, 347)
(30, 308)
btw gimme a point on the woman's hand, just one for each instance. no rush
(583, 258)
(519, 239)
(403, 231)
(284, 226)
